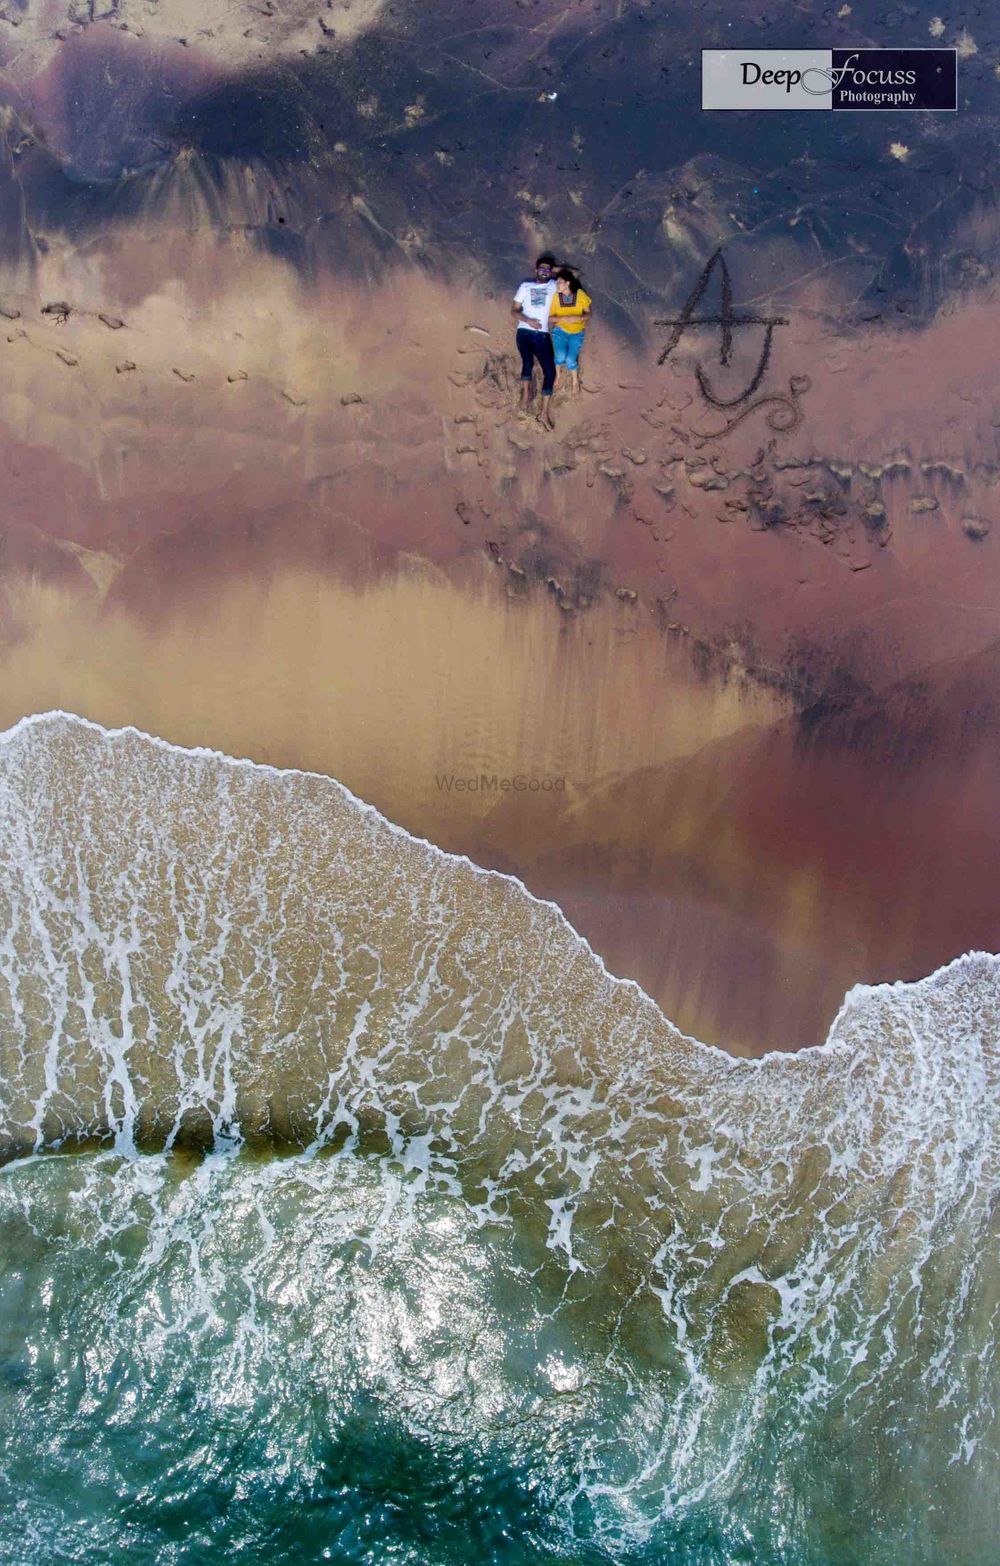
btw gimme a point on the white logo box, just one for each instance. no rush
(879, 81)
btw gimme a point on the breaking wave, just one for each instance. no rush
(399, 1231)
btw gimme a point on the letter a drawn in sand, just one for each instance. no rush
(726, 320)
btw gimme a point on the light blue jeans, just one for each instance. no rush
(567, 347)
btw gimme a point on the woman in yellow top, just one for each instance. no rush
(568, 314)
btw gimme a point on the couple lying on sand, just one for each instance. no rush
(551, 309)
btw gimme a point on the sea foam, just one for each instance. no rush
(745, 1264)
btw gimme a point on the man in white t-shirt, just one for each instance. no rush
(530, 309)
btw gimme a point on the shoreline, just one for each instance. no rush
(767, 666)
(831, 1043)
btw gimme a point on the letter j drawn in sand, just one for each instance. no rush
(726, 321)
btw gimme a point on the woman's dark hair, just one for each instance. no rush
(572, 278)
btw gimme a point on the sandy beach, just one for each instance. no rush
(499, 935)
(763, 665)
(265, 487)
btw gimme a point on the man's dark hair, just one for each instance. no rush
(546, 259)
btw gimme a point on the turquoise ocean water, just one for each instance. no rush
(352, 1212)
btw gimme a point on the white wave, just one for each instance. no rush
(206, 950)
(834, 1038)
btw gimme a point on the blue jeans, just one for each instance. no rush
(536, 345)
(567, 347)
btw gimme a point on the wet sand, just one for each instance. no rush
(763, 664)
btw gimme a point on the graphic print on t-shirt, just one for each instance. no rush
(535, 299)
